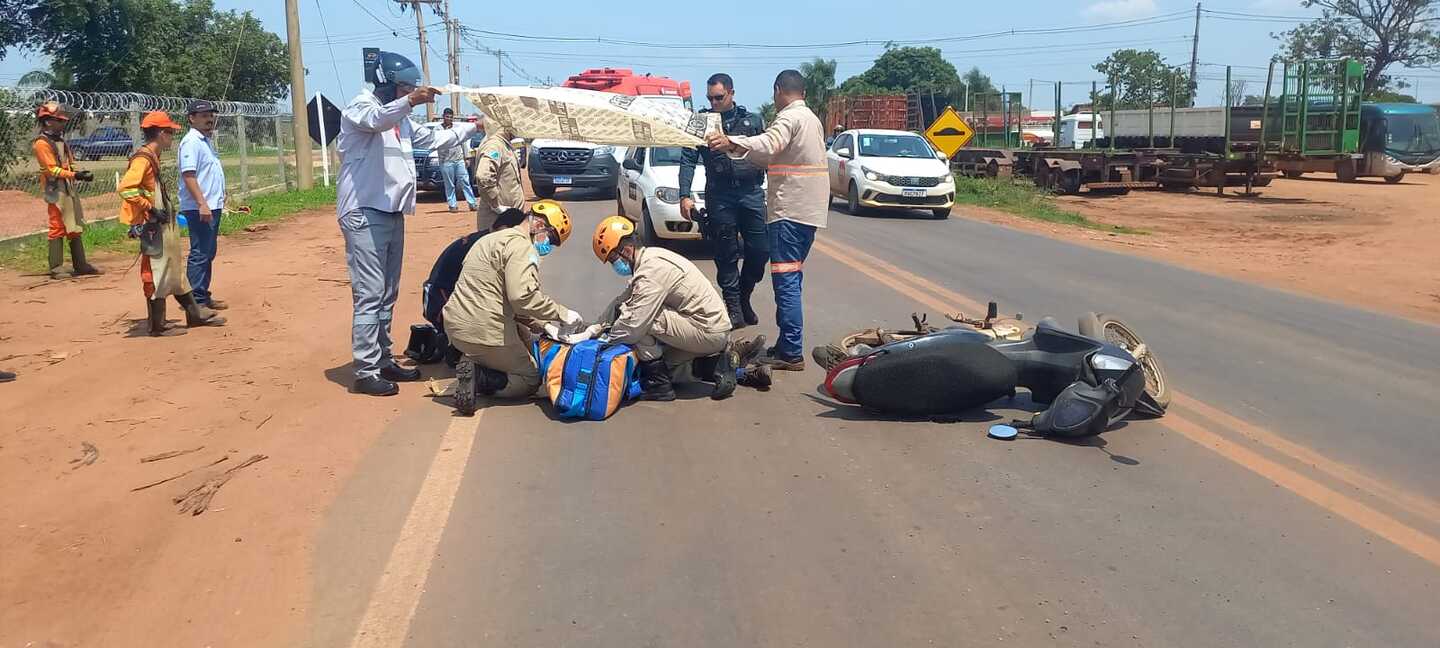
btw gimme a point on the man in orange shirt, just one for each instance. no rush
(57, 178)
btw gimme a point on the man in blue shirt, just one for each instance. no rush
(202, 198)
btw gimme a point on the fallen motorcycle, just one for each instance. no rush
(1090, 380)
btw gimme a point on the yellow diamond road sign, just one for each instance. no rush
(949, 133)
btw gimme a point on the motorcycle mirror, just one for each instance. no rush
(1003, 432)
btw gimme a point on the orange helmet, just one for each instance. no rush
(555, 216)
(609, 234)
(52, 110)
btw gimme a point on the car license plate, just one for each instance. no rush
(564, 180)
(912, 193)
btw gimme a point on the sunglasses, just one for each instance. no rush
(715, 98)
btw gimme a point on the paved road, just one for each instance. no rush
(1284, 502)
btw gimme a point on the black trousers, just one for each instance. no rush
(737, 232)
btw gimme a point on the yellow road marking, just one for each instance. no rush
(1402, 535)
(392, 605)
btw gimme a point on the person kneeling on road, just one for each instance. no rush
(498, 306)
(673, 317)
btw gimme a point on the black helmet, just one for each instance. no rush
(387, 69)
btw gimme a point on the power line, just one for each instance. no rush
(326, 30)
(392, 29)
(774, 58)
(1137, 22)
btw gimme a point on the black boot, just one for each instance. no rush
(197, 315)
(472, 380)
(718, 369)
(57, 257)
(77, 259)
(655, 379)
(732, 308)
(746, 312)
(157, 320)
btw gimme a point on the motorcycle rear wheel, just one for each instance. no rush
(1110, 329)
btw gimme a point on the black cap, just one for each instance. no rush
(200, 106)
(448, 111)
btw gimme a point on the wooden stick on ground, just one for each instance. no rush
(170, 455)
(196, 500)
(170, 479)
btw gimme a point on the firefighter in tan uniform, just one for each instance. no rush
(57, 183)
(672, 316)
(498, 304)
(497, 176)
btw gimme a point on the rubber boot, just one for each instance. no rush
(77, 259)
(57, 257)
(732, 308)
(157, 320)
(197, 315)
(747, 314)
(655, 379)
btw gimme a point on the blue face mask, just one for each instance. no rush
(622, 267)
(544, 247)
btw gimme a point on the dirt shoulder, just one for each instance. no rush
(1367, 243)
(88, 561)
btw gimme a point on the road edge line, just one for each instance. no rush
(396, 596)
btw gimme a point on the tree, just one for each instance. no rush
(36, 79)
(1139, 79)
(978, 84)
(819, 85)
(767, 112)
(161, 47)
(901, 69)
(1379, 32)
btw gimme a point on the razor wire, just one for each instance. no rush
(253, 142)
(21, 99)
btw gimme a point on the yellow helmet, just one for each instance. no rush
(555, 216)
(608, 235)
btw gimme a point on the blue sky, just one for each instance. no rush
(670, 29)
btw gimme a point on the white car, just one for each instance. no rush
(891, 170)
(649, 193)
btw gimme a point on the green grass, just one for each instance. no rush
(1021, 198)
(29, 254)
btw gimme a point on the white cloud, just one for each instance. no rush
(1121, 9)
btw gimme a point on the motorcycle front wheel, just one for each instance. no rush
(1110, 329)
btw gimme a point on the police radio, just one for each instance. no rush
(702, 221)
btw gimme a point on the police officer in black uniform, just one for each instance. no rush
(734, 202)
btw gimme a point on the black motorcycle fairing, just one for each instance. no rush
(1080, 410)
(939, 373)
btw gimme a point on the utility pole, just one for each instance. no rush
(424, 49)
(304, 174)
(1195, 57)
(499, 69)
(452, 48)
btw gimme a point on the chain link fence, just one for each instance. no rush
(254, 141)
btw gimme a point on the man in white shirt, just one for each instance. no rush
(452, 166)
(202, 199)
(376, 188)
